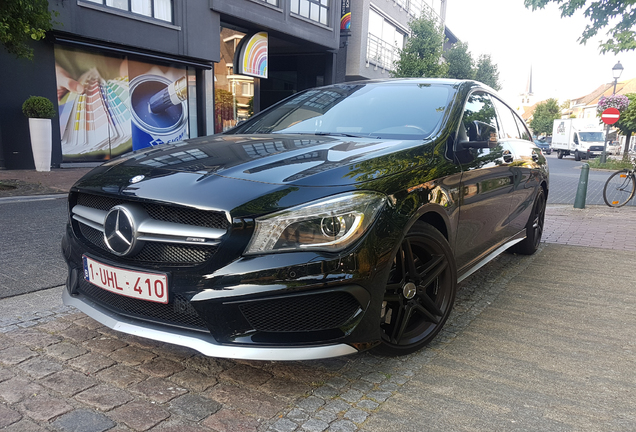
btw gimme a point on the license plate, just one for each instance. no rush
(140, 285)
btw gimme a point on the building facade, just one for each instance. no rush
(127, 74)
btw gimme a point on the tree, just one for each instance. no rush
(422, 53)
(487, 72)
(460, 63)
(22, 21)
(618, 15)
(544, 115)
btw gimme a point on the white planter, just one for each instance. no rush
(41, 143)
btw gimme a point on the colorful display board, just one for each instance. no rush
(105, 105)
(252, 56)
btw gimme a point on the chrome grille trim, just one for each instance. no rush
(153, 230)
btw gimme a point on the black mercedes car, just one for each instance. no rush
(339, 220)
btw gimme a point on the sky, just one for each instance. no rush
(518, 38)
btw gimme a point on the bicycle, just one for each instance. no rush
(620, 187)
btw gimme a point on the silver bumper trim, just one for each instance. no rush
(204, 344)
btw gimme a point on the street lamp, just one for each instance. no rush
(617, 70)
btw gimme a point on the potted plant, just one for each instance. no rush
(40, 111)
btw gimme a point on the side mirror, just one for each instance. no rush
(480, 135)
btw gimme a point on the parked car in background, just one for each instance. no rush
(339, 220)
(614, 148)
(544, 146)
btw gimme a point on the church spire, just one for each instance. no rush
(529, 86)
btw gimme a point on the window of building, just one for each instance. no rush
(385, 41)
(272, 2)
(159, 9)
(315, 10)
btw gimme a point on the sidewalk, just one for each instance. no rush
(31, 182)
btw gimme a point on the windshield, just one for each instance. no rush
(397, 110)
(591, 136)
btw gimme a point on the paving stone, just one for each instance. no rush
(297, 415)
(160, 367)
(205, 365)
(300, 371)
(89, 323)
(121, 376)
(91, 363)
(175, 352)
(248, 401)
(18, 388)
(33, 338)
(44, 407)
(83, 421)
(139, 416)
(246, 375)
(104, 397)
(158, 390)
(227, 421)
(284, 425)
(326, 416)
(78, 334)
(68, 382)
(356, 415)
(5, 342)
(315, 425)
(179, 428)
(367, 404)
(374, 377)
(338, 382)
(65, 351)
(387, 386)
(40, 367)
(336, 406)
(73, 316)
(5, 374)
(343, 426)
(379, 396)
(194, 407)
(285, 388)
(15, 354)
(325, 392)
(8, 416)
(352, 395)
(193, 381)
(131, 356)
(104, 345)
(363, 386)
(399, 380)
(54, 326)
(24, 426)
(311, 403)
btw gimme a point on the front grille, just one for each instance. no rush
(178, 312)
(596, 148)
(159, 253)
(166, 213)
(301, 313)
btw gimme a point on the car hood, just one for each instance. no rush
(294, 160)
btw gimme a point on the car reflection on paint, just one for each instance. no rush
(339, 220)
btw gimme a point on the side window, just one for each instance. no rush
(478, 107)
(525, 134)
(509, 128)
(576, 139)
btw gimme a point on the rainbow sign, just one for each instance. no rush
(253, 57)
(345, 21)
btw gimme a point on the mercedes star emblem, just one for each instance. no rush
(119, 230)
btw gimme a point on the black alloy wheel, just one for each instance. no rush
(420, 291)
(534, 227)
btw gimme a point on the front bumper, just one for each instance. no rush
(205, 344)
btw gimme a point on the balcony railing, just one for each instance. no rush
(381, 53)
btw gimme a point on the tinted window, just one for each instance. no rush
(525, 134)
(405, 110)
(479, 108)
(508, 124)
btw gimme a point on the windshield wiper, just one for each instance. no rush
(346, 135)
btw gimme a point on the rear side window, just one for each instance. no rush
(509, 129)
(525, 134)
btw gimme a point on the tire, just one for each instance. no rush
(420, 292)
(534, 227)
(559, 154)
(619, 188)
(577, 155)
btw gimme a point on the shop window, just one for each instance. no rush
(159, 9)
(233, 93)
(315, 10)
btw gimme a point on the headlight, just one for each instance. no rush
(329, 224)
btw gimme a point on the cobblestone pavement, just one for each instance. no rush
(62, 371)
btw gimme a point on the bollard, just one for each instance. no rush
(581, 191)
